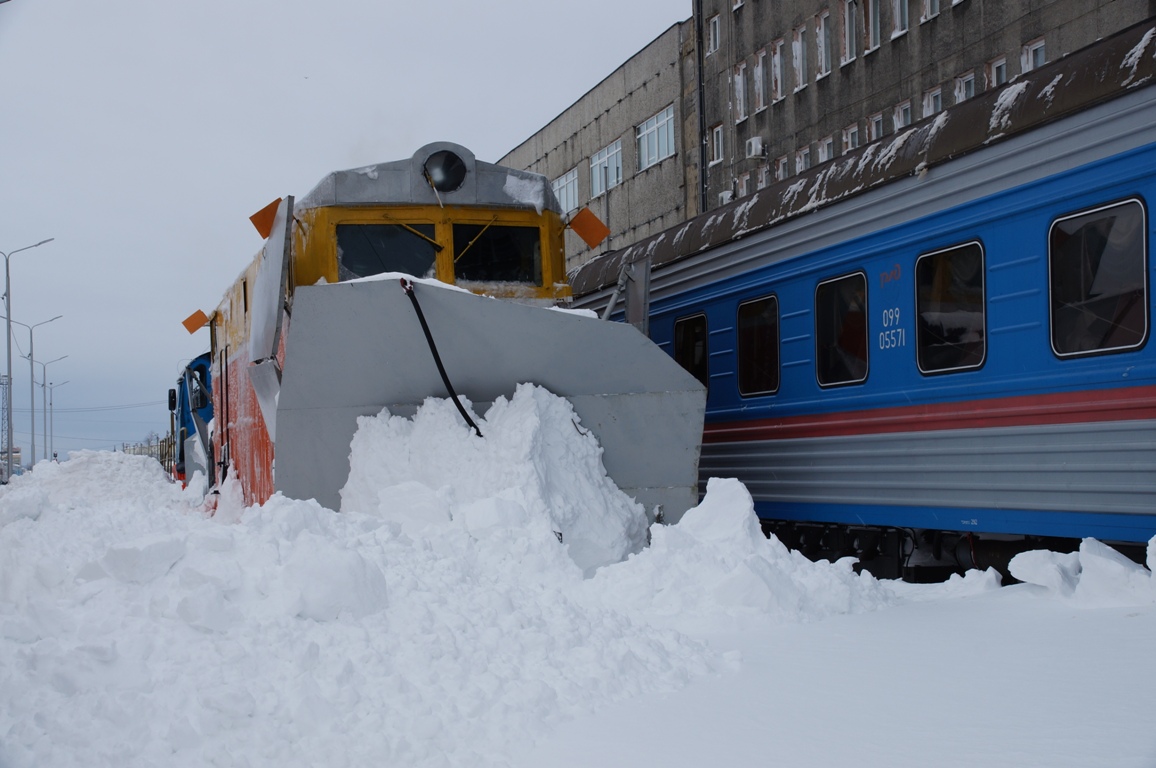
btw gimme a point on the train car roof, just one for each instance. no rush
(1098, 73)
(409, 182)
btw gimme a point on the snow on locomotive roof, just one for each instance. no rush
(408, 182)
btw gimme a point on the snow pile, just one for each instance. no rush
(1096, 575)
(437, 620)
(135, 630)
(716, 568)
(534, 471)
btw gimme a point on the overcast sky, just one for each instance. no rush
(141, 135)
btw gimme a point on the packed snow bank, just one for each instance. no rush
(534, 470)
(1096, 575)
(436, 621)
(716, 569)
(135, 630)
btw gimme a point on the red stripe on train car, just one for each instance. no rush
(1120, 404)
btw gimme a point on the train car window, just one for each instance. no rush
(1098, 267)
(758, 346)
(371, 249)
(841, 330)
(950, 327)
(491, 253)
(690, 347)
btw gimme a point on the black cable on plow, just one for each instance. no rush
(407, 286)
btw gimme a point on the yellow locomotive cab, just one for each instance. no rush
(508, 253)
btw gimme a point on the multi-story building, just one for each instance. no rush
(628, 148)
(748, 92)
(793, 83)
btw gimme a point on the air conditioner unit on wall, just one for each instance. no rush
(755, 147)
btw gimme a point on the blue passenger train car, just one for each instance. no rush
(936, 349)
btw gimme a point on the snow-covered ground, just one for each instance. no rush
(438, 620)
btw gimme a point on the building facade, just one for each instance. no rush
(627, 148)
(748, 92)
(793, 83)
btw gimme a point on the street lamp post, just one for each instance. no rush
(44, 402)
(8, 314)
(32, 376)
(52, 415)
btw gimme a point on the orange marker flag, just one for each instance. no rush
(589, 227)
(263, 219)
(195, 321)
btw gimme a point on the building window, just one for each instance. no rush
(758, 347)
(964, 87)
(799, 57)
(782, 168)
(997, 72)
(716, 144)
(690, 347)
(850, 138)
(875, 127)
(823, 43)
(802, 160)
(656, 138)
(764, 176)
(744, 184)
(933, 102)
(712, 34)
(949, 309)
(566, 190)
(902, 117)
(898, 17)
(930, 9)
(759, 84)
(777, 90)
(874, 26)
(841, 330)
(849, 30)
(826, 149)
(741, 92)
(606, 169)
(1033, 56)
(1098, 280)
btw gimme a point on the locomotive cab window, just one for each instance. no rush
(841, 330)
(492, 253)
(371, 249)
(949, 298)
(690, 347)
(1098, 267)
(758, 346)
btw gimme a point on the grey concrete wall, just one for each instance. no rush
(647, 201)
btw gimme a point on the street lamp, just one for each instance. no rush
(52, 418)
(44, 402)
(31, 376)
(8, 344)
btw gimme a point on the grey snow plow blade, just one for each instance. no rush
(355, 348)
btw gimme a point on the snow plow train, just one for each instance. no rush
(434, 276)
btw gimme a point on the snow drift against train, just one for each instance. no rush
(437, 620)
